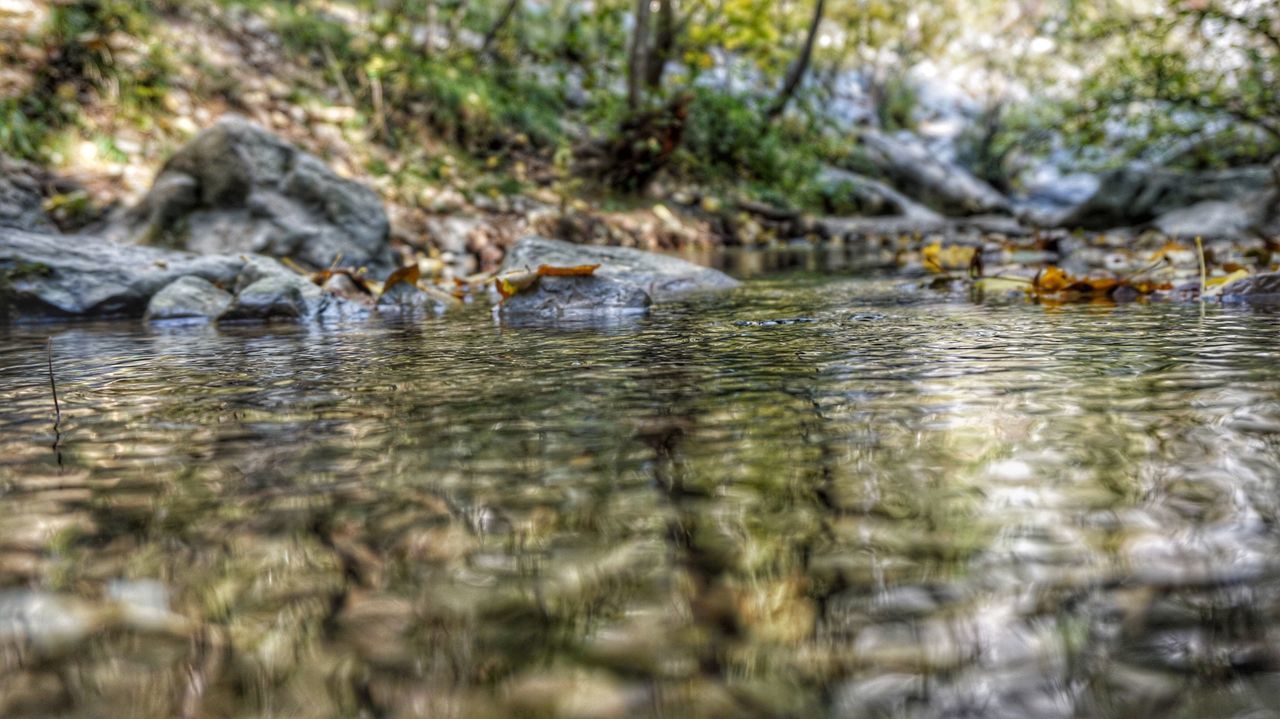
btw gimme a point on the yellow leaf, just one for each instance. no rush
(937, 258)
(1001, 285)
(514, 282)
(1215, 285)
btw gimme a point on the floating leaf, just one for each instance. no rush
(1051, 279)
(1054, 280)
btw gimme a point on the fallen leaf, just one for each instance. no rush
(409, 274)
(578, 271)
(520, 280)
(1000, 285)
(511, 283)
(1054, 280)
(1215, 285)
(937, 258)
(1051, 279)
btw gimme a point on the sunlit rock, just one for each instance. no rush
(238, 188)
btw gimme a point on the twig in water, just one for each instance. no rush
(53, 387)
(1204, 274)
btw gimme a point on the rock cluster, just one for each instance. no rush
(48, 276)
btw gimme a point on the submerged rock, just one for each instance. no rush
(661, 277)
(188, 298)
(44, 276)
(238, 188)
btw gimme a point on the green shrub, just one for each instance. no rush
(727, 142)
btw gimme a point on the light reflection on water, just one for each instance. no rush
(897, 507)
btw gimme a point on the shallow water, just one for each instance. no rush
(819, 497)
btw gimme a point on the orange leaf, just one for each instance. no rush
(409, 274)
(1053, 279)
(1094, 285)
(579, 271)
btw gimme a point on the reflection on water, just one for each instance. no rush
(899, 508)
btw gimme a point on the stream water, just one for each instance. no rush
(817, 497)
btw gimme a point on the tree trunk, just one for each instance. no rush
(639, 55)
(498, 24)
(801, 66)
(663, 45)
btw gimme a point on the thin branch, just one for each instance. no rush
(801, 66)
(497, 26)
(53, 387)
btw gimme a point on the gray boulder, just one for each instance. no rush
(238, 188)
(661, 277)
(570, 296)
(188, 298)
(45, 276)
(1136, 195)
(920, 174)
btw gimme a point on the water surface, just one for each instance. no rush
(817, 497)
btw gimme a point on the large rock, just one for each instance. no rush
(188, 299)
(571, 296)
(238, 188)
(847, 193)
(49, 276)
(21, 199)
(941, 185)
(661, 277)
(1136, 195)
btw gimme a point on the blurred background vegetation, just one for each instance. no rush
(613, 97)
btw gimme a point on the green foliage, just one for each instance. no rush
(89, 48)
(726, 142)
(20, 135)
(1174, 70)
(896, 104)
